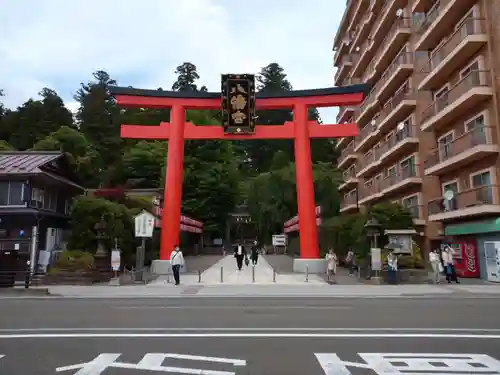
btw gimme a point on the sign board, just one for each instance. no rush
(400, 243)
(144, 224)
(376, 258)
(115, 259)
(238, 103)
(279, 239)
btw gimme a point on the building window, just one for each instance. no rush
(11, 193)
(37, 197)
(481, 179)
(408, 167)
(445, 145)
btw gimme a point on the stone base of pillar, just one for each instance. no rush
(162, 267)
(103, 268)
(313, 266)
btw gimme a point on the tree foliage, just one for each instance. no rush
(217, 176)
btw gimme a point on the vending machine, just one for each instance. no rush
(466, 257)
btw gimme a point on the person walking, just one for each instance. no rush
(437, 267)
(331, 264)
(449, 264)
(240, 253)
(254, 255)
(349, 261)
(176, 262)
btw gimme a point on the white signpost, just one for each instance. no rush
(151, 362)
(280, 240)
(144, 225)
(411, 363)
(144, 228)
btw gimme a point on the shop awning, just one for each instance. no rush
(475, 227)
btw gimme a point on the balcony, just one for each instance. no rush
(345, 114)
(376, 6)
(406, 178)
(344, 69)
(369, 163)
(365, 111)
(366, 136)
(396, 109)
(393, 42)
(359, 11)
(441, 19)
(475, 202)
(343, 49)
(364, 55)
(347, 155)
(417, 214)
(341, 142)
(363, 30)
(385, 19)
(349, 203)
(464, 150)
(403, 142)
(421, 5)
(396, 74)
(370, 193)
(350, 179)
(471, 90)
(460, 48)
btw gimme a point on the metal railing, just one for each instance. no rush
(474, 79)
(478, 196)
(482, 135)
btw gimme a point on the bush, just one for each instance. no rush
(75, 261)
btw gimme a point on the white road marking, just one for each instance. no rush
(280, 308)
(252, 329)
(149, 362)
(250, 335)
(412, 363)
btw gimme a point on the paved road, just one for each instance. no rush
(231, 336)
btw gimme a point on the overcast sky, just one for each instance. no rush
(59, 43)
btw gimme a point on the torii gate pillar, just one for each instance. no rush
(300, 130)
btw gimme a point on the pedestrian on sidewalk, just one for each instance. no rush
(331, 263)
(240, 253)
(254, 255)
(437, 267)
(392, 268)
(177, 262)
(350, 262)
(449, 264)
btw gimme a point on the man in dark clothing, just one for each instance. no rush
(254, 255)
(240, 254)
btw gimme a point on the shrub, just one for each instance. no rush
(75, 260)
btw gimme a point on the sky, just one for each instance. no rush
(59, 43)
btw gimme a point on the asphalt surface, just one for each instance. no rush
(256, 336)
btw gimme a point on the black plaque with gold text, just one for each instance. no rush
(238, 103)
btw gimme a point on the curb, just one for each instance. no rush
(25, 292)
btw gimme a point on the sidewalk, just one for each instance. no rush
(276, 290)
(261, 274)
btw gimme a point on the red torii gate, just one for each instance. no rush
(301, 130)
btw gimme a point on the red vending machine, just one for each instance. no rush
(466, 261)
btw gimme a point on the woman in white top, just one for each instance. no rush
(176, 261)
(331, 263)
(449, 264)
(436, 265)
(392, 268)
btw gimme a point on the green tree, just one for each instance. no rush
(142, 165)
(98, 118)
(211, 188)
(36, 119)
(82, 155)
(187, 75)
(86, 211)
(4, 146)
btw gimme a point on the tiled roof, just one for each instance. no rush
(25, 162)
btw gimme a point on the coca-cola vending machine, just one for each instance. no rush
(466, 259)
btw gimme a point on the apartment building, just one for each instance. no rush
(429, 129)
